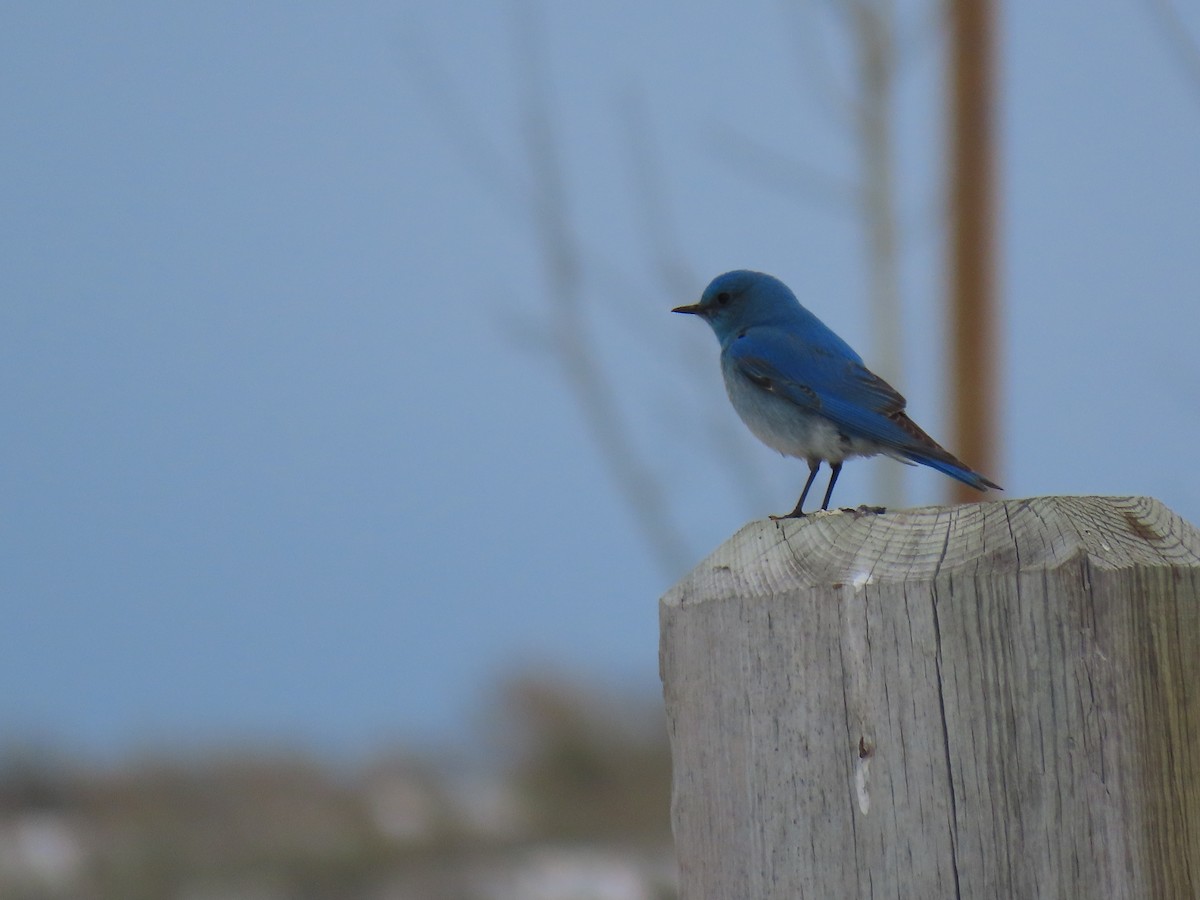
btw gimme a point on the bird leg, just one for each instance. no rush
(835, 469)
(798, 512)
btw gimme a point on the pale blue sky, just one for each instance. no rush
(282, 459)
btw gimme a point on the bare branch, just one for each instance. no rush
(873, 24)
(817, 71)
(575, 351)
(1183, 43)
(445, 106)
(779, 172)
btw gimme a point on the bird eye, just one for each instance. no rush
(723, 298)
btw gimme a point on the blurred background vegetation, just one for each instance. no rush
(567, 795)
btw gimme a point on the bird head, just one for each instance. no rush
(742, 299)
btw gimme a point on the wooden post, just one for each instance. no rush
(997, 700)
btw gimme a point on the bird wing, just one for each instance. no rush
(830, 380)
(822, 380)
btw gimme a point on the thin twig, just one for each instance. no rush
(575, 350)
(1183, 43)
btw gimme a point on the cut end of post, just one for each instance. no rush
(847, 547)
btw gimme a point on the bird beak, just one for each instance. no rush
(694, 309)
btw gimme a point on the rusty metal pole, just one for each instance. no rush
(974, 401)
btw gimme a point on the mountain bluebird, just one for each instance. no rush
(802, 390)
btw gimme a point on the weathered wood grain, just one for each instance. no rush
(996, 700)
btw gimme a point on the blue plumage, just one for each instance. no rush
(803, 391)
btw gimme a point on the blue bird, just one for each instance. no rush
(802, 390)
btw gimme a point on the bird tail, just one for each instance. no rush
(954, 469)
(928, 452)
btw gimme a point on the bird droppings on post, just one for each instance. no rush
(862, 778)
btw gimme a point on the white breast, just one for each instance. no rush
(785, 427)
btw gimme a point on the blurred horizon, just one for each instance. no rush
(573, 803)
